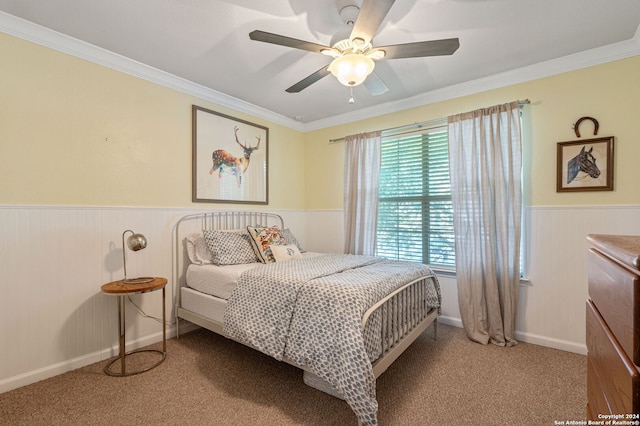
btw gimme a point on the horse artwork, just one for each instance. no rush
(585, 165)
(583, 162)
(223, 161)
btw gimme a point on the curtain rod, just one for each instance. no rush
(419, 125)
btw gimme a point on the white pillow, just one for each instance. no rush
(285, 252)
(197, 249)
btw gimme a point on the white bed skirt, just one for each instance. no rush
(208, 306)
(316, 382)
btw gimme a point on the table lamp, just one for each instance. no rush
(135, 242)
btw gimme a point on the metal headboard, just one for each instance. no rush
(239, 220)
(214, 220)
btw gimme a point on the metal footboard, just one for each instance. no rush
(403, 316)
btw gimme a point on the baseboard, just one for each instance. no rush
(452, 321)
(534, 339)
(549, 342)
(49, 371)
(34, 376)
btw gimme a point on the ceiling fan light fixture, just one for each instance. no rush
(351, 69)
(352, 50)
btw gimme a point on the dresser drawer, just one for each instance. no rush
(617, 376)
(615, 290)
(598, 403)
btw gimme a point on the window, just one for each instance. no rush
(415, 216)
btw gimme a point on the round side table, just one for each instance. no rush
(122, 289)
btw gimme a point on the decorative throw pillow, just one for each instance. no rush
(197, 249)
(262, 239)
(290, 239)
(229, 247)
(286, 252)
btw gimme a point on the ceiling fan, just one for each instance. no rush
(353, 58)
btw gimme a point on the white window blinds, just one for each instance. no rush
(415, 218)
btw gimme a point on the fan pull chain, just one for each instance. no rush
(351, 99)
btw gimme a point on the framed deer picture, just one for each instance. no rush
(585, 165)
(230, 159)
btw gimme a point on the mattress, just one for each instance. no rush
(219, 281)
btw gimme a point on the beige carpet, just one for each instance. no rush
(209, 380)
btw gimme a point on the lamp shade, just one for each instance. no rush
(136, 242)
(351, 69)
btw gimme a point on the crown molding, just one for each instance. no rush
(588, 58)
(43, 36)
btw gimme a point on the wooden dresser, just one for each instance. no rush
(613, 327)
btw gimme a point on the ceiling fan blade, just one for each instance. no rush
(375, 85)
(308, 81)
(369, 18)
(421, 48)
(286, 41)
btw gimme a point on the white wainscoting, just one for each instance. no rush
(53, 261)
(552, 308)
(552, 303)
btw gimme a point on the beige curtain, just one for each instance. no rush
(485, 157)
(361, 176)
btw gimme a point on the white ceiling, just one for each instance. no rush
(206, 42)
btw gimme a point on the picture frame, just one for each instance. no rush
(230, 159)
(585, 165)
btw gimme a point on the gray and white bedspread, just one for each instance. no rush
(310, 310)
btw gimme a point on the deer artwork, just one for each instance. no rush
(223, 161)
(583, 162)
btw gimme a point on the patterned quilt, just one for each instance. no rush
(309, 310)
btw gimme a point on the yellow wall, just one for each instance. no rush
(76, 133)
(609, 92)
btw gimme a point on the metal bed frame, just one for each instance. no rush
(400, 327)
(220, 220)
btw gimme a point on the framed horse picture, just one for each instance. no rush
(230, 159)
(585, 165)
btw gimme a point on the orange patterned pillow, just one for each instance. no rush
(262, 239)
